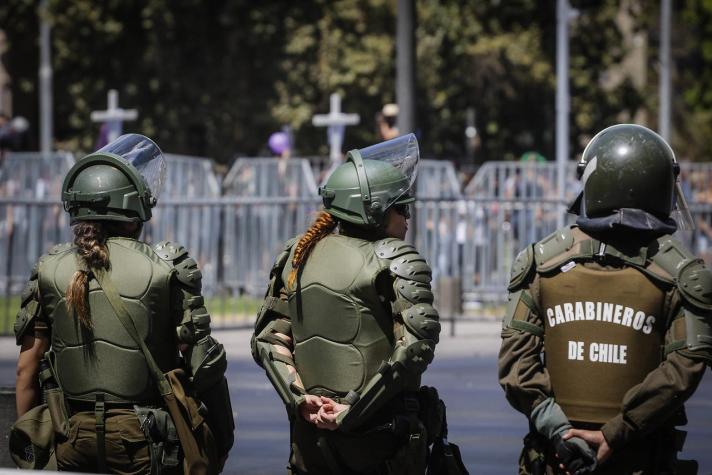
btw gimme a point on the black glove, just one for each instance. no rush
(575, 454)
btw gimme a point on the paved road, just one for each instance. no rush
(481, 422)
(488, 431)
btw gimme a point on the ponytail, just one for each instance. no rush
(323, 225)
(90, 239)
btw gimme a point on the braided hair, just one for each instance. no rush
(323, 225)
(90, 239)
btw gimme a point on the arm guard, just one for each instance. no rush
(29, 317)
(272, 344)
(414, 349)
(204, 357)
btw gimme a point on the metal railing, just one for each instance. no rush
(270, 177)
(33, 175)
(471, 239)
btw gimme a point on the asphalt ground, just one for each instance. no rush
(481, 422)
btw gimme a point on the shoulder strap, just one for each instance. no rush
(104, 280)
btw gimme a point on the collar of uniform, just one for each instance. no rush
(602, 250)
(597, 249)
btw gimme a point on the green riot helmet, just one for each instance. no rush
(119, 182)
(630, 166)
(372, 180)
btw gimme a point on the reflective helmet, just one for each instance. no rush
(119, 182)
(628, 166)
(372, 180)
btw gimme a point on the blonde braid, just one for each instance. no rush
(323, 225)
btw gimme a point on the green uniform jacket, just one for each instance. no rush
(648, 404)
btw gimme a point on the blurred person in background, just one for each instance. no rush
(386, 122)
(13, 135)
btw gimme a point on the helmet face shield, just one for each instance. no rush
(681, 212)
(118, 182)
(144, 155)
(402, 154)
(372, 180)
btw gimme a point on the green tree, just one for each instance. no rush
(217, 77)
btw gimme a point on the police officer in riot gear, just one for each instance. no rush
(111, 416)
(608, 329)
(348, 327)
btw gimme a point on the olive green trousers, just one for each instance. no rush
(127, 450)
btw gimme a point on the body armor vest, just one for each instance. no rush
(342, 330)
(604, 331)
(105, 359)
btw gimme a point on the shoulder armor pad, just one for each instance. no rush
(695, 284)
(60, 248)
(186, 267)
(282, 257)
(523, 264)
(35, 272)
(169, 251)
(188, 273)
(392, 248)
(406, 263)
(548, 249)
(30, 291)
(412, 266)
(29, 308)
(673, 263)
(669, 259)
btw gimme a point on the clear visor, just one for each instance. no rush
(144, 155)
(681, 212)
(401, 153)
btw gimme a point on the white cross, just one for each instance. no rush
(114, 116)
(336, 121)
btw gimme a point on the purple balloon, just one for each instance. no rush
(278, 143)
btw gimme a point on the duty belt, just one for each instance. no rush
(81, 405)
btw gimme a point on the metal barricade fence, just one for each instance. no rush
(187, 213)
(190, 177)
(33, 174)
(437, 179)
(475, 241)
(28, 228)
(470, 240)
(270, 177)
(255, 230)
(521, 181)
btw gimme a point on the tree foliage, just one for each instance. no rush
(217, 77)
